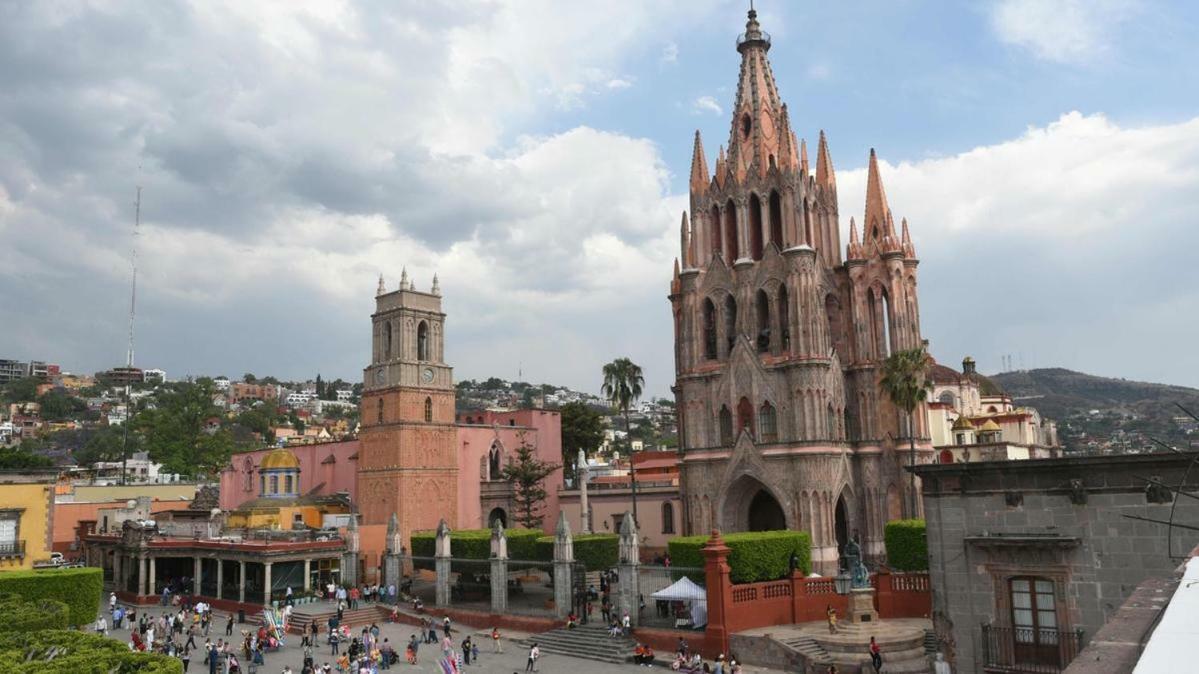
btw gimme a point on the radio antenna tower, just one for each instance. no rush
(137, 222)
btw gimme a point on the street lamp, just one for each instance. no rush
(841, 583)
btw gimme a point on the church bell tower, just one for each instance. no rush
(408, 460)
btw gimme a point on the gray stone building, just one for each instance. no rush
(1029, 559)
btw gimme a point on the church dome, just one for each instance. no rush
(280, 459)
(990, 425)
(963, 424)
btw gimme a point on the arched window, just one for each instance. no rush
(745, 416)
(831, 419)
(762, 309)
(784, 320)
(730, 321)
(493, 462)
(714, 233)
(807, 225)
(768, 422)
(387, 341)
(288, 485)
(776, 219)
(730, 232)
(947, 398)
(248, 468)
(726, 426)
(428, 409)
(262, 488)
(668, 518)
(422, 341)
(274, 484)
(709, 330)
(755, 227)
(887, 327)
(379, 411)
(872, 308)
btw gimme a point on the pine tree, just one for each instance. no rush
(527, 474)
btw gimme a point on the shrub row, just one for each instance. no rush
(77, 653)
(907, 545)
(19, 615)
(79, 588)
(596, 551)
(754, 555)
(476, 543)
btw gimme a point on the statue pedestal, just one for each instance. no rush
(861, 605)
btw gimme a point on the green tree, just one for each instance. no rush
(174, 434)
(622, 387)
(58, 406)
(296, 422)
(18, 457)
(320, 387)
(527, 474)
(249, 378)
(582, 428)
(104, 444)
(22, 390)
(904, 380)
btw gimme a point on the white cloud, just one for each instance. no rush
(1067, 31)
(1071, 241)
(706, 104)
(670, 53)
(619, 83)
(819, 71)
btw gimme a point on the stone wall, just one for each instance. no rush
(1063, 520)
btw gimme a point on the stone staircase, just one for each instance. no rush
(930, 643)
(812, 652)
(364, 615)
(590, 642)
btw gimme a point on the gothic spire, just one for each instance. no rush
(685, 242)
(909, 250)
(404, 278)
(824, 164)
(381, 289)
(854, 249)
(700, 178)
(803, 156)
(436, 285)
(754, 137)
(721, 167)
(874, 224)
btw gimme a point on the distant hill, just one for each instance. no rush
(1103, 412)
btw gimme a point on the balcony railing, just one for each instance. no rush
(1029, 650)
(12, 548)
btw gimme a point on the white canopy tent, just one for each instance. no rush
(685, 590)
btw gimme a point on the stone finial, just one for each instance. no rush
(436, 286)
(499, 540)
(442, 543)
(564, 547)
(404, 278)
(382, 288)
(394, 539)
(630, 545)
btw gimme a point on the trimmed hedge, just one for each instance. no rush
(476, 544)
(19, 615)
(77, 653)
(754, 555)
(907, 545)
(79, 588)
(596, 551)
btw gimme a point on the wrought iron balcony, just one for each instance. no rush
(12, 548)
(1029, 650)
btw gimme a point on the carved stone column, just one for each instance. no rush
(499, 568)
(629, 596)
(349, 559)
(564, 557)
(441, 561)
(391, 562)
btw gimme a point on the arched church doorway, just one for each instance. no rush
(765, 513)
(841, 523)
(497, 514)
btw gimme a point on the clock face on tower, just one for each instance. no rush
(380, 376)
(427, 375)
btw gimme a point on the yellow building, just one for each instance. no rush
(26, 507)
(279, 504)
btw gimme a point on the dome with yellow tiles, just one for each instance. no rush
(990, 425)
(280, 459)
(963, 424)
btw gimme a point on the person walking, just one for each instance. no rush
(102, 626)
(229, 626)
(831, 614)
(466, 650)
(186, 657)
(534, 655)
(876, 656)
(333, 642)
(445, 627)
(495, 640)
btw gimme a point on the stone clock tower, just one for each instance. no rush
(408, 460)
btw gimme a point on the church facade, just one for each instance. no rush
(780, 339)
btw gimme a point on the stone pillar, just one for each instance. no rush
(142, 575)
(241, 581)
(441, 560)
(266, 583)
(116, 570)
(199, 569)
(630, 560)
(720, 593)
(152, 566)
(307, 575)
(349, 559)
(220, 578)
(564, 557)
(499, 568)
(582, 475)
(392, 569)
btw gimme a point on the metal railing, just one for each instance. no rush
(1029, 650)
(12, 548)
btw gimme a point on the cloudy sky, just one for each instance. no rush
(534, 154)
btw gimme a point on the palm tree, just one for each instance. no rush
(904, 381)
(622, 386)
